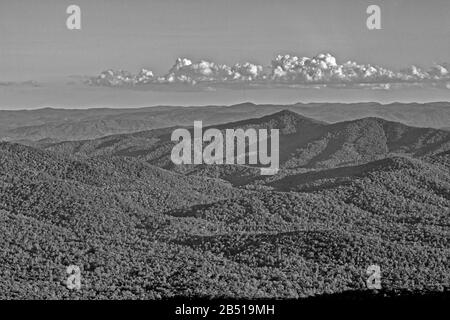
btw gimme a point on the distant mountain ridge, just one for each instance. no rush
(80, 124)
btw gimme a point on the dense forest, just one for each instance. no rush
(349, 195)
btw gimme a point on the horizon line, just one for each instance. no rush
(226, 105)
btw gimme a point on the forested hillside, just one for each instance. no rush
(348, 195)
(304, 142)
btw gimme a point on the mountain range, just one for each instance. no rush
(304, 142)
(349, 194)
(52, 125)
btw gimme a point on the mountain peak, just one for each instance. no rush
(244, 104)
(287, 113)
(286, 121)
(288, 116)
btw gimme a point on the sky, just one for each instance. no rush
(36, 45)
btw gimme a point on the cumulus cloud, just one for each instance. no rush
(323, 69)
(30, 83)
(185, 71)
(120, 78)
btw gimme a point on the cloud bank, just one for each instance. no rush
(323, 69)
(29, 83)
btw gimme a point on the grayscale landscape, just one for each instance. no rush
(349, 194)
(264, 154)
